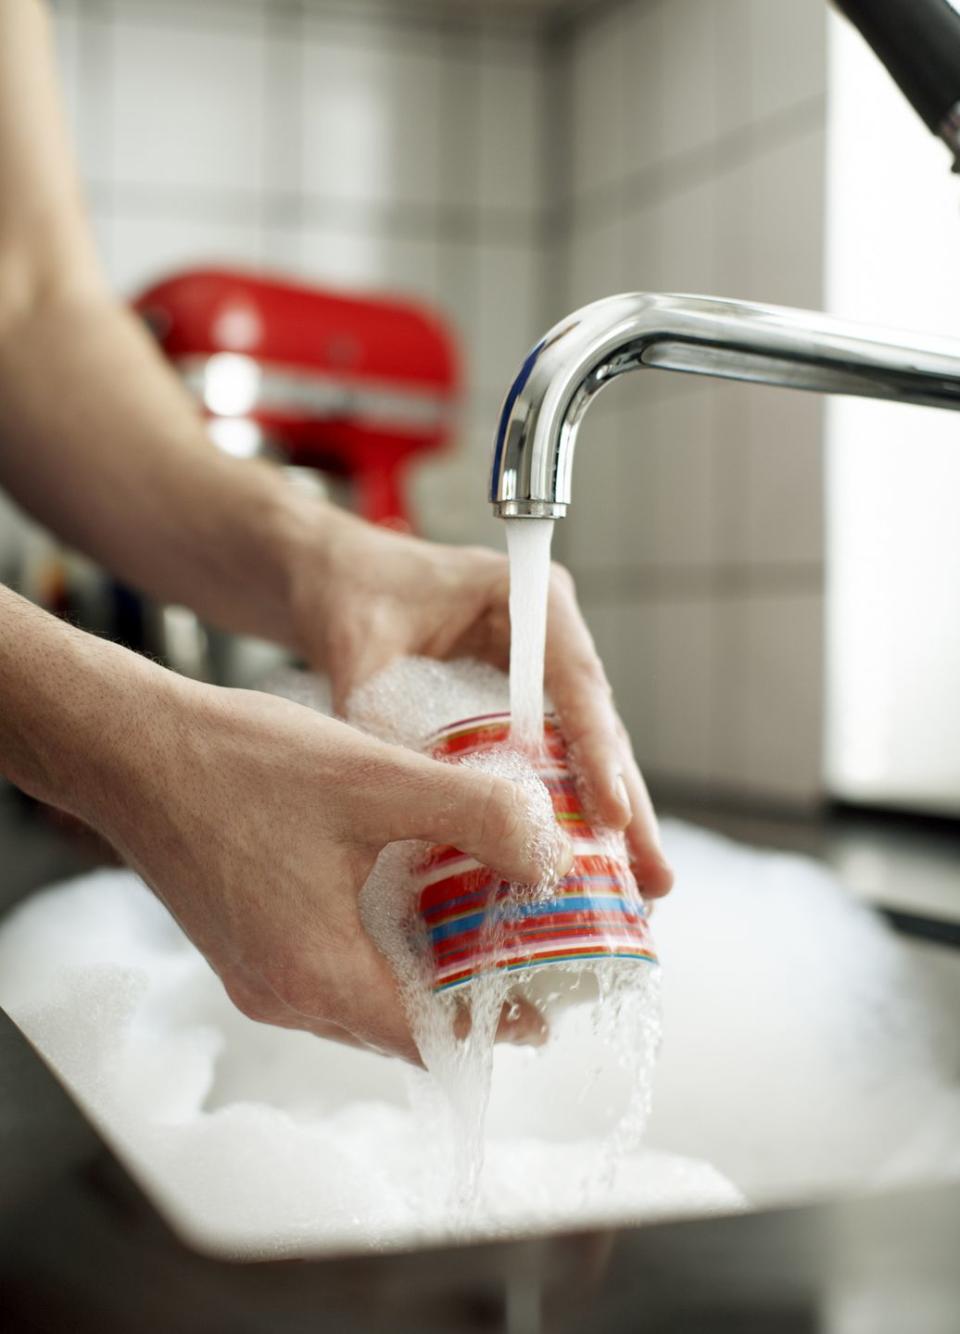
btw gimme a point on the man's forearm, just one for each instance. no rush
(71, 706)
(101, 444)
(97, 438)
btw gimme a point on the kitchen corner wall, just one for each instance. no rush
(695, 163)
(509, 171)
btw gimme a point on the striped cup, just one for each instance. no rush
(474, 924)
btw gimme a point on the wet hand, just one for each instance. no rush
(383, 595)
(257, 822)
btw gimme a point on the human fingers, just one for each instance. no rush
(653, 872)
(337, 988)
(486, 816)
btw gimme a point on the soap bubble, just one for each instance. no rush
(799, 1054)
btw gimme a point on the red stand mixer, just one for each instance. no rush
(352, 386)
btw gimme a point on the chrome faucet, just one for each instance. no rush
(731, 340)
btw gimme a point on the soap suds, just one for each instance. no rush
(799, 1056)
(417, 698)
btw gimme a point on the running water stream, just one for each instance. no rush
(528, 546)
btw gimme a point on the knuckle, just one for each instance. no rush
(501, 814)
(486, 559)
(251, 1003)
(314, 991)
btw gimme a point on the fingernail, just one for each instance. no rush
(621, 794)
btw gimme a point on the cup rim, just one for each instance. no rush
(499, 715)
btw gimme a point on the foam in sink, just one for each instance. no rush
(799, 1056)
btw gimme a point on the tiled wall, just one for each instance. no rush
(354, 145)
(509, 174)
(696, 160)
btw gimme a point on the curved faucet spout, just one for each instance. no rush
(733, 340)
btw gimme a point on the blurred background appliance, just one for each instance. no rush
(344, 391)
(350, 386)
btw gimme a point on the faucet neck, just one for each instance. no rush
(734, 340)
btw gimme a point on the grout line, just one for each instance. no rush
(95, 116)
(268, 128)
(366, 20)
(653, 183)
(567, 23)
(491, 226)
(606, 584)
(210, 16)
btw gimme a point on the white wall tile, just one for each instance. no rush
(734, 41)
(510, 128)
(101, 221)
(449, 492)
(644, 78)
(637, 494)
(730, 695)
(283, 99)
(641, 241)
(508, 313)
(787, 222)
(687, 240)
(605, 620)
(783, 502)
(769, 224)
(682, 443)
(598, 91)
(371, 116)
(612, 525)
(591, 530)
(596, 260)
(370, 260)
(735, 226)
(142, 250)
(783, 679)
(787, 53)
(188, 105)
(768, 710)
(690, 74)
(769, 476)
(458, 295)
(634, 682)
(90, 99)
(461, 133)
(684, 655)
(281, 248)
(732, 440)
(67, 34)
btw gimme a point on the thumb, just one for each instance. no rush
(490, 818)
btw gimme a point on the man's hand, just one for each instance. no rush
(375, 595)
(256, 821)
